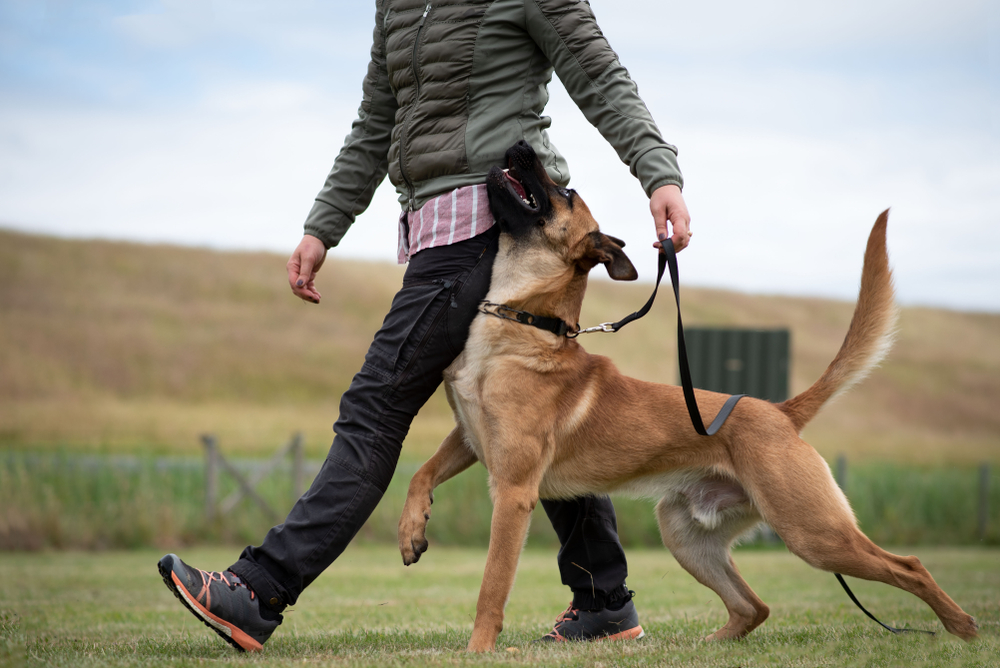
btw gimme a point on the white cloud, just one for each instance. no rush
(234, 172)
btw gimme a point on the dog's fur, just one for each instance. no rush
(549, 420)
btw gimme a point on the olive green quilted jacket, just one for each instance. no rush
(452, 84)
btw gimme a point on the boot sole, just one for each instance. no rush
(630, 634)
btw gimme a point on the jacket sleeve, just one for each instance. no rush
(362, 163)
(568, 34)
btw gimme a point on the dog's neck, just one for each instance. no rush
(538, 284)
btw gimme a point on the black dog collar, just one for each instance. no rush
(557, 326)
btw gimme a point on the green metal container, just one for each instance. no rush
(740, 361)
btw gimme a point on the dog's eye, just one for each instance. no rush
(541, 222)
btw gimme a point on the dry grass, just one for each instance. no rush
(122, 347)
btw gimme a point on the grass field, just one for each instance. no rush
(111, 609)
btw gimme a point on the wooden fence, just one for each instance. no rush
(214, 462)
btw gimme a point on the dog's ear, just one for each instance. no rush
(608, 251)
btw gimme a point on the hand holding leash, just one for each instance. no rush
(667, 204)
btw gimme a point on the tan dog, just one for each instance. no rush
(549, 420)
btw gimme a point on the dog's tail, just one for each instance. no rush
(868, 339)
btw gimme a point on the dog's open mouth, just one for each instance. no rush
(512, 181)
(519, 195)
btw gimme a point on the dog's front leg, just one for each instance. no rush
(452, 457)
(512, 508)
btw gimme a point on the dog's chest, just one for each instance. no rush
(465, 382)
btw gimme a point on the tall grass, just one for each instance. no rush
(92, 502)
(906, 505)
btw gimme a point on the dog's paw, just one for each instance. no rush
(965, 628)
(412, 533)
(411, 553)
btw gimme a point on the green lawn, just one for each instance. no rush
(81, 609)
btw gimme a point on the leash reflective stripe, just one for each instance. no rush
(850, 593)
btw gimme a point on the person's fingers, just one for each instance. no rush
(293, 270)
(302, 267)
(680, 226)
(682, 234)
(658, 207)
(306, 273)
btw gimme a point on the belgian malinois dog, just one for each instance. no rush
(549, 420)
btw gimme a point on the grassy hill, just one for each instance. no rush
(119, 347)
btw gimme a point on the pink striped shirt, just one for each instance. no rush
(449, 218)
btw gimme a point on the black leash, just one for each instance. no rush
(669, 256)
(894, 630)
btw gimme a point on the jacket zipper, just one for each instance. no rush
(416, 78)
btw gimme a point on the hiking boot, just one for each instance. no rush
(606, 624)
(225, 603)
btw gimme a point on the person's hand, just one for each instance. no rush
(667, 203)
(302, 266)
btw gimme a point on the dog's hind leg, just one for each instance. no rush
(802, 502)
(704, 553)
(452, 457)
(841, 548)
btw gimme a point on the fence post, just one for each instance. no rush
(984, 499)
(211, 474)
(841, 474)
(297, 467)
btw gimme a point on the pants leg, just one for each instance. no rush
(591, 558)
(424, 331)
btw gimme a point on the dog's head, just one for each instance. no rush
(535, 211)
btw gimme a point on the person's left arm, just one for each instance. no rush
(568, 34)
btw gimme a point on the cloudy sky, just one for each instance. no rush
(214, 123)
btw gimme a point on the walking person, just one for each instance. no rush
(451, 85)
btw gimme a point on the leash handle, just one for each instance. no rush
(668, 257)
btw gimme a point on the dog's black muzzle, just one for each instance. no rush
(518, 195)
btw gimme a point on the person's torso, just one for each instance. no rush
(470, 82)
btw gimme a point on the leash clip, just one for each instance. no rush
(603, 327)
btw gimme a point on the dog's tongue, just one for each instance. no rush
(518, 188)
